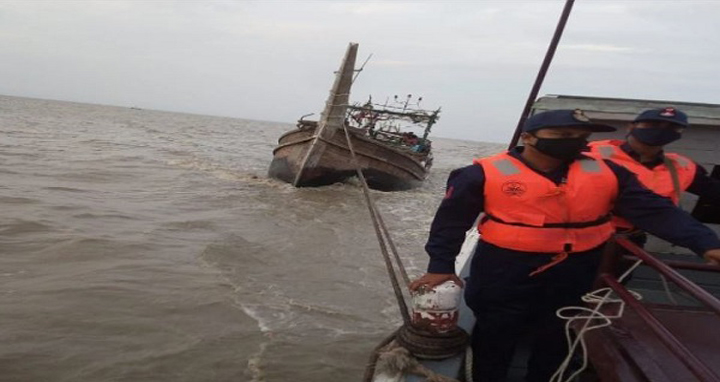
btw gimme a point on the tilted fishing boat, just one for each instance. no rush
(390, 155)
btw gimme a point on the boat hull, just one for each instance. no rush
(385, 168)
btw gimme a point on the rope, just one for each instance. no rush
(383, 236)
(393, 356)
(469, 363)
(572, 314)
(358, 71)
(372, 364)
(431, 345)
(374, 211)
(394, 251)
(668, 292)
(396, 360)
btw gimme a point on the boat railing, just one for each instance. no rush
(667, 269)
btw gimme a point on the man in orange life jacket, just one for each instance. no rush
(547, 215)
(666, 174)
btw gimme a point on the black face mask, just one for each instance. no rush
(565, 149)
(655, 136)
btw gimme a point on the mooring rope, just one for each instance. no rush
(397, 352)
(384, 240)
(395, 359)
(370, 368)
(383, 236)
(393, 250)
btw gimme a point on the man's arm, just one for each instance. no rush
(462, 204)
(659, 216)
(705, 186)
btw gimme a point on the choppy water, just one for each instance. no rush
(139, 245)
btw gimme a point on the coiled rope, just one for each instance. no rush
(600, 298)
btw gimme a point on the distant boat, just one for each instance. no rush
(391, 156)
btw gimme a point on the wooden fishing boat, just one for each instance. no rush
(390, 155)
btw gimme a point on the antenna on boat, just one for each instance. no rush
(357, 71)
(407, 101)
(543, 70)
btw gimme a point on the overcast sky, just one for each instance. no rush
(274, 60)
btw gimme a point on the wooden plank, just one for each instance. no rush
(333, 117)
(629, 351)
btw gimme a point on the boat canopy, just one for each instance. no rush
(623, 110)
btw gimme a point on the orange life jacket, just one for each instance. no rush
(658, 179)
(525, 211)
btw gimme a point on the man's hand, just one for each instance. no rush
(712, 256)
(432, 279)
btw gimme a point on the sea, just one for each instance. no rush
(143, 245)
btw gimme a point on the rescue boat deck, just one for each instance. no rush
(629, 351)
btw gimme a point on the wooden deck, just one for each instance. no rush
(654, 340)
(628, 351)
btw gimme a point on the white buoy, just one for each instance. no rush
(436, 309)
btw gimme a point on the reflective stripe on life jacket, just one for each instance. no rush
(526, 211)
(658, 179)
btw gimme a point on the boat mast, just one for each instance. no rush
(543, 70)
(333, 117)
(431, 121)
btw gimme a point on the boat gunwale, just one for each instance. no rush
(424, 170)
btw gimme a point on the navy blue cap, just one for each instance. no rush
(668, 114)
(563, 118)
